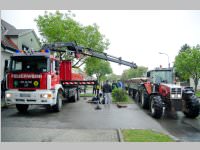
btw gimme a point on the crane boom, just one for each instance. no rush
(87, 52)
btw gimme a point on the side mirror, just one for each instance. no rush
(57, 66)
(148, 74)
(6, 67)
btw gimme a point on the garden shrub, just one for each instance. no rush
(119, 95)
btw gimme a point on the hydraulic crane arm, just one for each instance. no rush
(87, 52)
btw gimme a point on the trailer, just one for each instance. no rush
(42, 78)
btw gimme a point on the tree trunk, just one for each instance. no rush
(196, 80)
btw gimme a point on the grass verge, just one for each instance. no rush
(139, 135)
(87, 95)
(197, 93)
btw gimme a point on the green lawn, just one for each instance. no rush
(197, 93)
(137, 135)
(87, 95)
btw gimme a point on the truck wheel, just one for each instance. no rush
(137, 97)
(156, 108)
(129, 92)
(143, 100)
(78, 95)
(58, 106)
(22, 108)
(192, 108)
(74, 98)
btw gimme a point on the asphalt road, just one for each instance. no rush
(82, 122)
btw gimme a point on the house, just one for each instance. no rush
(13, 39)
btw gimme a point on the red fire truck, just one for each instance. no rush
(40, 78)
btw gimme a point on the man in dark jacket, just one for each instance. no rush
(107, 89)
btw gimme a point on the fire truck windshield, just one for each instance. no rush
(29, 64)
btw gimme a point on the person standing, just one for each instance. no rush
(94, 89)
(107, 89)
(97, 89)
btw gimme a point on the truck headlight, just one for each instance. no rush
(8, 95)
(179, 95)
(46, 95)
(172, 96)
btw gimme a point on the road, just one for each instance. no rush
(82, 122)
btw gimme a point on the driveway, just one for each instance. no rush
(78, 121)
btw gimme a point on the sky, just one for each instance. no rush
(135, 35)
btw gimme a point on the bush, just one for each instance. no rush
(119, 95)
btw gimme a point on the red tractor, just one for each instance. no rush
(158, 92)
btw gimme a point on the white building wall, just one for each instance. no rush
(28, 40)
(193, 85)
(5, 54)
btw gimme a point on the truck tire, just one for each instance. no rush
(22, 108)
(137, 97)
(156, 108)
(192, 107)
(58, 106)
(129, 92)
(143, 102)
(78, 95)
(74, 98)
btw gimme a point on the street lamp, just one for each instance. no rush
(168, 58)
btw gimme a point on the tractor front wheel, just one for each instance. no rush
(192, 107)
(156, 107)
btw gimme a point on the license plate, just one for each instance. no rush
(25, 95)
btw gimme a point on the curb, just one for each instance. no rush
(191, 124)
(119, 135)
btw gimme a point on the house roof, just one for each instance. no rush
(8, 30)
(6, 25)
(17, 32)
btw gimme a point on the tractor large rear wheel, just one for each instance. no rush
(156, 107)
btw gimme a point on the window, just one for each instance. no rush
(24, 47)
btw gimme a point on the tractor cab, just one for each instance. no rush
(161, 75)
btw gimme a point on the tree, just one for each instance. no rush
(184, 48)
(60, 27)
(99, 68)
(187, 64)
(112, 77)
(133, 73)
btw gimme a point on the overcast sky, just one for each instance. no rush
(135, 35)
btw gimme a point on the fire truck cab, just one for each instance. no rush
(33, 79)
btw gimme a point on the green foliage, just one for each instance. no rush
(133, 73)
(184, 48)
(58, 27)
(138, 135)
(98, 67)
(197, 93)
(187, 64)
(119, 95)
(112, 77)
